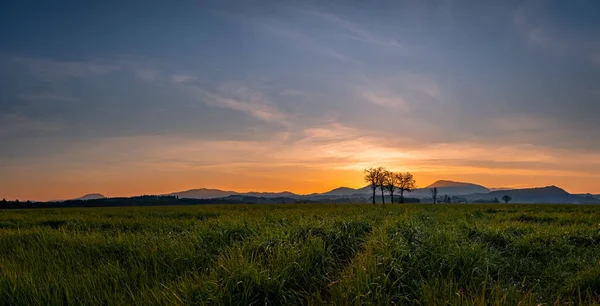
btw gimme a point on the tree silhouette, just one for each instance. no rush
(372, 177)
(434, 193)
(381, 178)
(406, 182)
(391, 183)
(506, 199)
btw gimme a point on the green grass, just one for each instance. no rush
(302, 254)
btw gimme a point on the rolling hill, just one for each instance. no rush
(207, 193)
(91, 196)
(203, 193)
(549, 194)
(345, 191)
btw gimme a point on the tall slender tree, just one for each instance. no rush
(434, 193)
(406, 183)
(372, 177)
(391, 183)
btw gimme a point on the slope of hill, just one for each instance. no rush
(549, 194)
(459, 187)
(340, 191)
(203, 193)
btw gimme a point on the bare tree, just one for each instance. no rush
(391, 183)
(406, 182)
(506, 199)
(381, 178)
(372, 177)
(434, 193)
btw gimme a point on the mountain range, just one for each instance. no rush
(467, 191)
(444, 187)
(460, 191)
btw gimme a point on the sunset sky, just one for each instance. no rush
(136, 97)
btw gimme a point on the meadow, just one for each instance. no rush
(302, 254)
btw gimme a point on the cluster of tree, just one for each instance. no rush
(16, 203)
(390, 182)
(493, 200)
(446, 199)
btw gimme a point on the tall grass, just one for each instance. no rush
(302, 254)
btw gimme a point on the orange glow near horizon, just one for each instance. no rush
(323, 159)
(300, 181)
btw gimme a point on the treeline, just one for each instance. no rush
(145, 200)
(168, 200)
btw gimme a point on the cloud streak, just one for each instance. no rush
(242, 99)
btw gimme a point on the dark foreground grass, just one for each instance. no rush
(302, 254)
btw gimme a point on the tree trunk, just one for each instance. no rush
(392, 196)
(401, 196)
(382, 196)
(374, 195)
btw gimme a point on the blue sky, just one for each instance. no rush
(151, 97)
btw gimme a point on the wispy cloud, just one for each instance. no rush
(402, 92)
(395, 102)
(243, 99)
(354, 30)
(305, 41)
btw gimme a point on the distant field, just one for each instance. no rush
(302, 254)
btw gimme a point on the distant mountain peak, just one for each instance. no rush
(552, 188)
(448, 183)
(341, 191)
(91, 196)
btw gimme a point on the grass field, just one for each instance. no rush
(302, 254)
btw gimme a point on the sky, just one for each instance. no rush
(148, 97)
